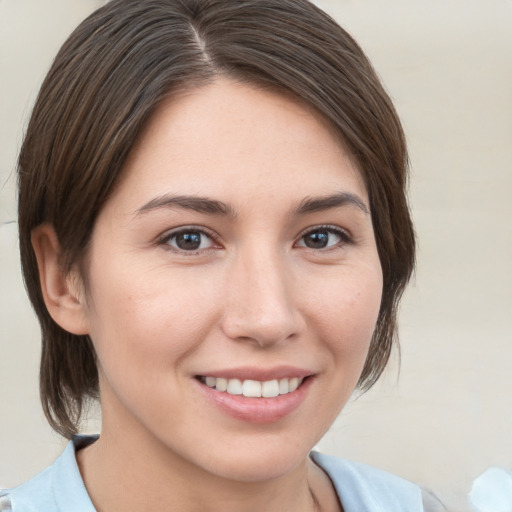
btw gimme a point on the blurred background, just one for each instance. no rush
(443, 415)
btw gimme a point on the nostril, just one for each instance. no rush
(261, 329)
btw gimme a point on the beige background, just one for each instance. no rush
(448, 415)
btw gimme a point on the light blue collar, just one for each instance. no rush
(70, 492)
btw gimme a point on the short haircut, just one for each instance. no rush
(107, 80)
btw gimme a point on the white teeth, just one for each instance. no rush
(253, 388)
(270, 388)
(284, 386)
(294, 384)
(234, 387)
(221, 385)
(210, 381)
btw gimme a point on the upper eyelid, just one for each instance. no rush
(328, 227)
(181, 229)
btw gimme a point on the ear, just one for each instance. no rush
(62, 292)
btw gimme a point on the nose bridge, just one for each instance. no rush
(260, 303)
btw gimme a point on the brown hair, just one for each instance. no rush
(102, 88)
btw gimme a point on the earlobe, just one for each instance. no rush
(62, 292)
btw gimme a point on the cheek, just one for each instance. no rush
(150, 317)
(345, 309)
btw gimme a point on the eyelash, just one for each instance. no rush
(344, 237)
(165, 239)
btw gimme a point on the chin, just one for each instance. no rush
(256, 463)
(257, 469)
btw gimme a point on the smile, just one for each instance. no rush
(253, 388)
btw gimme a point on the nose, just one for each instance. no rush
(260, 305)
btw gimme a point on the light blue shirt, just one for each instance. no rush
(60, 488)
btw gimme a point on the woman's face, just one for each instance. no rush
(237, 251)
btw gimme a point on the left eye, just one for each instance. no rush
(321, 238)
(189, 240)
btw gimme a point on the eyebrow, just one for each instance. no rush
(215, 207)
(197, 204)
(316, 204)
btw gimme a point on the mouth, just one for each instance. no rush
(257, 395)
(253, 388)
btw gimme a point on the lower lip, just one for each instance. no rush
(258, 410)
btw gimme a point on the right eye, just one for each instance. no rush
(188, 240)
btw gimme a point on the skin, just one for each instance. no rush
(253, 294)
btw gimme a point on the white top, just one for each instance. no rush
(60, 488)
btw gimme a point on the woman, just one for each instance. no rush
(215, 237)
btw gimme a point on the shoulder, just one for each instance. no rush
(23, 497)
(59, 488)
(362, 487)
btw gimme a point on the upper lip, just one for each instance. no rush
(260, 374)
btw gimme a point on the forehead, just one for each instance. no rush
(230, 138)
